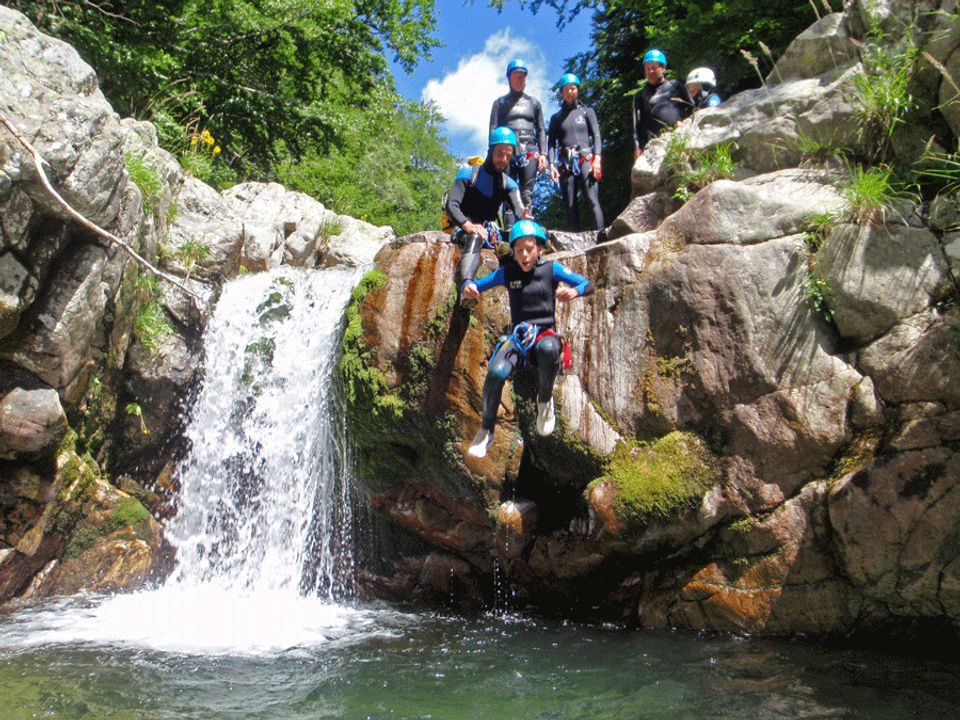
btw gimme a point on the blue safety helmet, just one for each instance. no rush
(527, 228)
(569, 79)
(502, 136)
(515, 65)
(655, 56)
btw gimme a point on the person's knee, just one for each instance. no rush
(500, 369)
(548, 349)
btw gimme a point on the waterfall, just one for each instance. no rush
(263, 504)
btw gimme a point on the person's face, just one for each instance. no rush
(693, 89)
(518, 80)
(526, 250)
(655, 72)
(570, 93)
(500, 155)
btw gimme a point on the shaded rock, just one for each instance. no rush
(879, 276)
(32, 422)
(915, 361)
(17, 291)
(895, 530)
(642, 214)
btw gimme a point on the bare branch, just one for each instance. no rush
(38, 162)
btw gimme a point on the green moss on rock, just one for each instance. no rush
(657, 480)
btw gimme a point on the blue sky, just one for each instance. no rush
(466, 75)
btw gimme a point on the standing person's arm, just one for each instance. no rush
(553, 148)
(594, 129)
(494, 116)
(541, 135)
(639, 131)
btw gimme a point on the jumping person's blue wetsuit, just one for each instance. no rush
(473, 204)
(533, 287)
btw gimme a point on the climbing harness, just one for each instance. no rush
(573, 159)
(525, 336)
(523, 159)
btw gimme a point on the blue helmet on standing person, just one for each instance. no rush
(656, 56)
(528, 228)
(516, 65)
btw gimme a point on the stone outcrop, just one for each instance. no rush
(92, 353)
(726, 456)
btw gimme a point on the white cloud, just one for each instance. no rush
(465, 95)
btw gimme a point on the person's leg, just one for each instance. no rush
(547, 354)
(568, 190)
(591, 191)
(502, 364)
(470, 246)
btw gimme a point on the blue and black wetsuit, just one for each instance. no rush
(522, 114)
(572, 141)
(532, 300)
(657, 107)
(479, 201)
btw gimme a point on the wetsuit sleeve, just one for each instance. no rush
(581, 284)
(594, 128)
(489, 281)
(639, 131)
(686, 102)
(538, 125)
(512, 198)
(553, 137)
(454, 199)
(494, 115)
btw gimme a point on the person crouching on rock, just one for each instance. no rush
(533, 286)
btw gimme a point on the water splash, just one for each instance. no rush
(263, 504)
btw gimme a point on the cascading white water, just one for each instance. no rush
(262, 528)
(263, 500)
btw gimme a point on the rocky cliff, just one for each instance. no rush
(96, 356)
(761, 429)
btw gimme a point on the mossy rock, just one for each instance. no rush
(657, 480)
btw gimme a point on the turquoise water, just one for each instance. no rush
(380, 663)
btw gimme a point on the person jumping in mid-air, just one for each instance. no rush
(534, 285)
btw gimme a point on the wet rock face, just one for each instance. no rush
(726, 456)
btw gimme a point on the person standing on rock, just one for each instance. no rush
(473, 203)
(661, 104)
(522, 114)
(534, 286)
(573, 147)
(700, 84)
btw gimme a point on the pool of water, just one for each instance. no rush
(150, 656)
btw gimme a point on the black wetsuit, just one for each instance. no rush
(705, 99)
(532, 300)
(479, 201)
(657, 107)
(522, 114)
(574, 132)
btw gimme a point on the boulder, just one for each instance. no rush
(32, 420)
(755, 210)
(642, 214)
(205, 239)
(880, 275)
(818, 49)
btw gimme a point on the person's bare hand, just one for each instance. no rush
(565, 293)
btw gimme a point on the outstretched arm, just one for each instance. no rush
(578, 284)
(472, 288)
